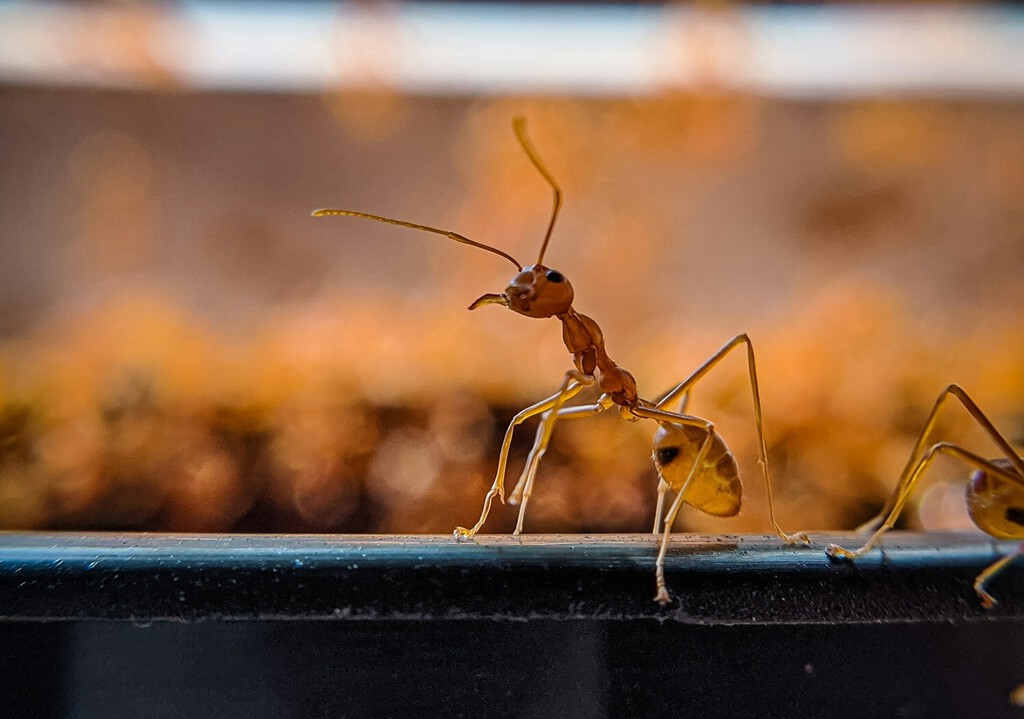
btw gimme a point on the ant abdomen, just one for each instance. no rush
(995, 503)
(715, 488)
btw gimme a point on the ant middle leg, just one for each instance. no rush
(573, 384)
(662, 595)
(524, 487)
(659, 505)
(665, 417)
(543, 438)
(663, 486)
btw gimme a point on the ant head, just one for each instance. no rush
(535, 292)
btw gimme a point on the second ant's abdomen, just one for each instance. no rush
(996, 504)
(716, 488)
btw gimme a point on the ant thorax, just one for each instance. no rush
(584, 339)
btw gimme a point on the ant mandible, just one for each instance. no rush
(995, 492)
(691, 458)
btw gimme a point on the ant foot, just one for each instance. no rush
(834, 551)
(798, 538)
(987, 600)
(461, 534)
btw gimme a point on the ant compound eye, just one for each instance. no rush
(554, 276)
(665, 455)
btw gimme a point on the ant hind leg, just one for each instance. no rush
(683, 388)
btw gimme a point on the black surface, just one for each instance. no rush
(714, 580)
(478, 668)
(257, 626)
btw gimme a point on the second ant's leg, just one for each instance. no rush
(920, 459)
(899, 498)
(762, 449)
(987, 600)
(497, 489)
(903, 493)
(957, 392)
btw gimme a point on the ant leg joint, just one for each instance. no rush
(987, 600)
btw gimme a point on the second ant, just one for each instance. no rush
(995, 492)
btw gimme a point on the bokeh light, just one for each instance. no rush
(183, 348)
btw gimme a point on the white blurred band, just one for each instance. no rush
(466, 48)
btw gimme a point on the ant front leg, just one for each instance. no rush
(684, 387)
(573, 383)
(570, 387)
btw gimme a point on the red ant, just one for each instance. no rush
(691, 458)
(995, 492)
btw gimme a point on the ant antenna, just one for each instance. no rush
(453, 235)
(519, 125)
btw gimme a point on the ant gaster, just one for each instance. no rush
(691, 459)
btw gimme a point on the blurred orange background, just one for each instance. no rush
(182, 347)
